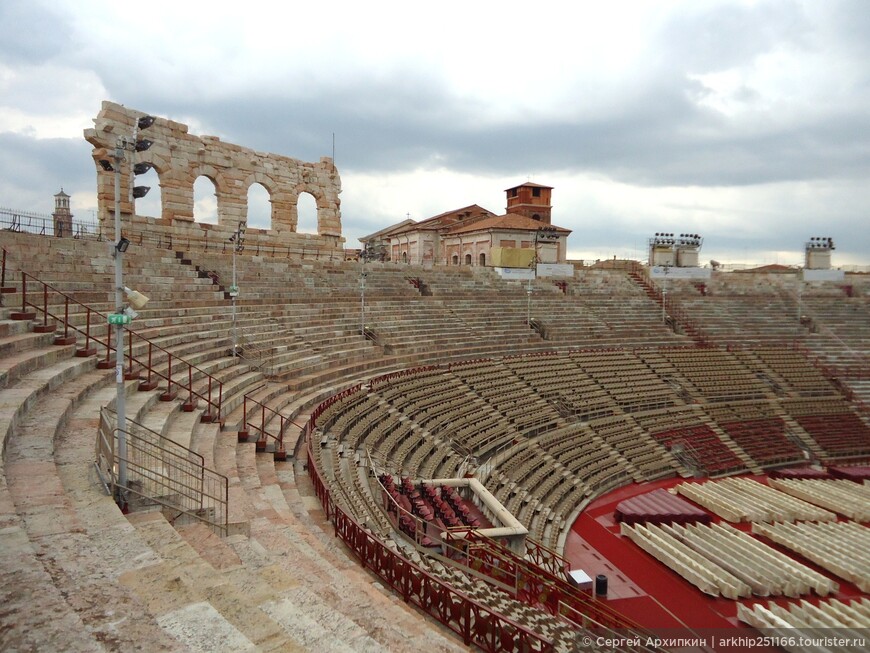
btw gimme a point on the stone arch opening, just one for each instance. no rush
(306, 214)
(482, 259)
(456, 259)
(468, 259)
(259, 215)
(205, 200)
(181, 157)
(150, 206)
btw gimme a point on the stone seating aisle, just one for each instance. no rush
(59, 561)
(327, 586)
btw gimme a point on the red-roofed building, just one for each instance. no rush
(468, 236)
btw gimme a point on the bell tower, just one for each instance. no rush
(530, 200)
(62, 216)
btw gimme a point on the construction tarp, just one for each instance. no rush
(512, 257)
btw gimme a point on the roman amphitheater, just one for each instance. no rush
(363, 455)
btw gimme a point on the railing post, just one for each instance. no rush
(44, 327)
(261, 441)
(170, 394)
(208, 415)
(190, 404)
(149, 384)
(87, 350)
(243, 432)
(280, 453)
(23, 315)
(130, 374)
(65, 339)
(107, 363)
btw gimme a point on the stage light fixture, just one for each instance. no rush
(145, 122)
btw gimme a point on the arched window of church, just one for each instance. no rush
(456, 259)
(404, 257)
(205, 207)
(536, 217)
(468, 259)
(482, 259)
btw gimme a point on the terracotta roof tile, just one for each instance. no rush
(508, 221)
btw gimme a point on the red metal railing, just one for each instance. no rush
(534, 585)
(212, 397)
(538, 585)
(263, 422)
(477, 624)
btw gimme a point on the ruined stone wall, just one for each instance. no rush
(179, 158)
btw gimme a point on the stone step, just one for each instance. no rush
(206, 609)
(68, 522)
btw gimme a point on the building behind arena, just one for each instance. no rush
(285, 411)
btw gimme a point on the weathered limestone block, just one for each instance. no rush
(179, 158)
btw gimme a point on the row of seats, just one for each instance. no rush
(721, 560)
(843, 548)
(744, 499)
(809, 621)
(844, 497)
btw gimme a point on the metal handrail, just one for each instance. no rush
(261, 429)
(164, 472)
(531, 577)
(214, 406)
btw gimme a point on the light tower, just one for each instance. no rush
(123, 315)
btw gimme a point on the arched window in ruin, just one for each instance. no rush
(468, 259)
(205, 208)
(482, 259)
(404, 257)
(306, 212)
(152, 204)
(456, 259)
(259, 207)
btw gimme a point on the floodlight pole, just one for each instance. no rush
(120, 401)
(799, 301)
(529, 303)
(237, 240)
(665, 297)
(234, 293)
(362, 293)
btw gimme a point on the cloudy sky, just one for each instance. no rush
(745, 121)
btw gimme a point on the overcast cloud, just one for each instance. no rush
(745, 121)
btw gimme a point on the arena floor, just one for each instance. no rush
(647, 591)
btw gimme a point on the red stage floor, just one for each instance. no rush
(642, 588)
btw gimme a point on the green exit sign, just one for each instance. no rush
(119, 318)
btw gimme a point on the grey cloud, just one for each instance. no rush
(730, 35)
(34, 170)
(31, 32)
